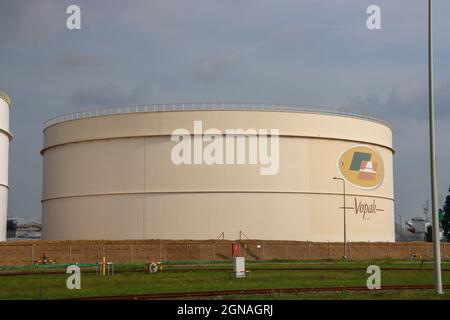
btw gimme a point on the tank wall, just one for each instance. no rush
(4, 115)
(3, 212)
(136, 165)
(126, 186)
(4, 159)
(163, 123)
(206, 216)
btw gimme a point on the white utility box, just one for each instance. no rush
(239, 267)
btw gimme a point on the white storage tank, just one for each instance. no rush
(133, 173)
(5, 138)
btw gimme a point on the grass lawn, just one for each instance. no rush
(179, 278)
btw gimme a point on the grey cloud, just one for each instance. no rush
(408, 101)
(109, 95)
(27, 21)
(219, 67)
(81, 59)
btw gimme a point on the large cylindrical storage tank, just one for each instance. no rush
(168, 172)
(5, 138)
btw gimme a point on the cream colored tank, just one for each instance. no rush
(116, 174)
(5, 138)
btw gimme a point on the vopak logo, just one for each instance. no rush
(362, 167)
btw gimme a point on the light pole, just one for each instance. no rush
(345, 222)
(434, 198)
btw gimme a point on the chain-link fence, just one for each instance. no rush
(129, 251)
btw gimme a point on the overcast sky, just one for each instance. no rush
(312, 52)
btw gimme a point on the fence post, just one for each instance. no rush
(214, 251)
(104, 249)
(286, 251)
(160, 250)
(187, 251)
(389, 248)
(329, 250)
(409, 251)
(32, 253)
(370, 251)
(263, 250)
(349, 250)
(309, 250)
(70, 252)
(131, 251)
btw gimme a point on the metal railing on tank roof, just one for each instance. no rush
(210, 106)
